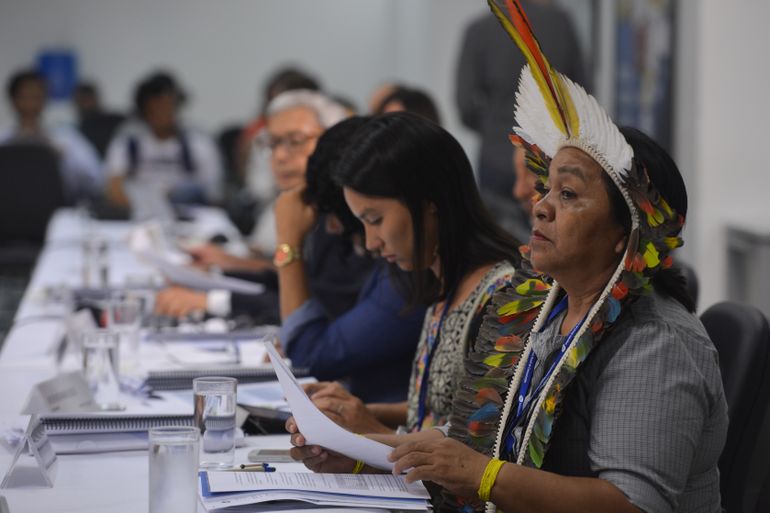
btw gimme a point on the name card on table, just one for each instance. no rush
(34, 464)
(66, 392)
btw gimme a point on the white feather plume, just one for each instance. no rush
(598, 135)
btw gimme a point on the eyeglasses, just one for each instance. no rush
(292, 142)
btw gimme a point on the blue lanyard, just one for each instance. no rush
(523, 405)
(427, 359)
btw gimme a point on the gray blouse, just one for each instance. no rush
(646, 411)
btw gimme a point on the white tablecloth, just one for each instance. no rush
(105, 483)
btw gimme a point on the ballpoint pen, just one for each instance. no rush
(254, 467)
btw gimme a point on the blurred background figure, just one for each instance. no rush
(252, 187)
(407, 99)
(379, 94)
(487, 71)
(79, 164)
(295, 121)
(156, 149)
(257, 175)
(96, 124)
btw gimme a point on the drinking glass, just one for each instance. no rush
(215, 417)
(124, 316)
(95, 265)
(100, 367)
(173, 464)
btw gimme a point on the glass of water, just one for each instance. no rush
(100, 366)
(174, 469)
(215, 417)
(124, 317)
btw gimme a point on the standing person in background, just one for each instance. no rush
(486, 66)
(158, 150)
(81, 171)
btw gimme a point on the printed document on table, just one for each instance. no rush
(295, 500)
(367, 485)
(318, 429)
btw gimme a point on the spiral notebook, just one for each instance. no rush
(87, 423)
(180, 379)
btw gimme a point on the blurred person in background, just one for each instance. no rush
(96, 124)
(157, 149)
(381, 92)
(487, 65)
(295, 121)
(407, 99)
(254, 166)
(80, 167)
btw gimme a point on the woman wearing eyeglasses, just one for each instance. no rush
(295, 120)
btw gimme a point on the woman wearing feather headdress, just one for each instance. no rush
(614, 400)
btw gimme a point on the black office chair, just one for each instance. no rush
(99, 128)
(763, 502)
(742, 338)
(227, 140)
(31, 190)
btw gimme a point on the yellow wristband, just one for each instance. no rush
(489, 477)
(359, 467)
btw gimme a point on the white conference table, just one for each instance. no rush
(109, 482)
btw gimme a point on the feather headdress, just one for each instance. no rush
(552, 112)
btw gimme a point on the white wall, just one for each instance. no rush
(723, 114)
(223, 50)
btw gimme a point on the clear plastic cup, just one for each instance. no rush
(173, 461)
(214, 399)
(101, 367)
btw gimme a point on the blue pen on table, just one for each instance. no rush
(257, 467)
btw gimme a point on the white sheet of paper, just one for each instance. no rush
(195, 279)
(297, 501)
(318, 429)
(365, 485)
(268, 394)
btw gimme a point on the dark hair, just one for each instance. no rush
(405, 157)
(18, 78)
(413, 100)
(664, 174)
(288, 79)
(159, 83)
(321, 189)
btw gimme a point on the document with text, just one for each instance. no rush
(318, 429)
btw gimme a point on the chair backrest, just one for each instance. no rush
(742, 337)
(99, 128)
(227, 140)
(31, 190)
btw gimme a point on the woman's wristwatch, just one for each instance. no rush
(285, 254)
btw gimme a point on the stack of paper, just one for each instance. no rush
(221, 490)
